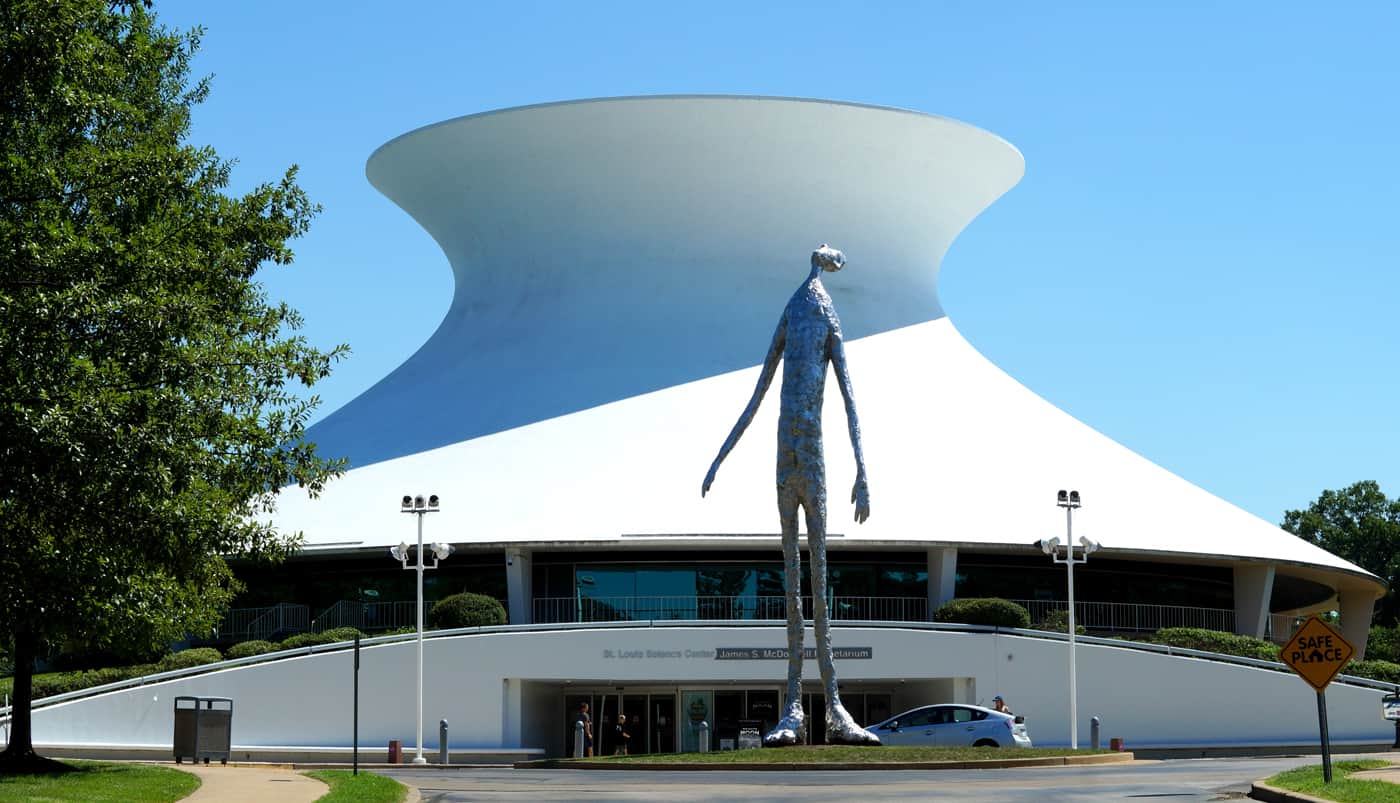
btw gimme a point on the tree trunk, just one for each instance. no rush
(19, 756)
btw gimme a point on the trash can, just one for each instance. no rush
(202, 728)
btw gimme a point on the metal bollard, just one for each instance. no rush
(704, 736)
(1094, 732)
(443, 758)
(578, 739)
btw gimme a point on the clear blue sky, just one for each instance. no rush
(1201, 261)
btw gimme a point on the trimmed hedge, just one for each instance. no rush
(992, 611)
(1385, 671)
(247, 649)
(332, 636)
(1198, 638)
(342, 634)
(199, 656)
(467, 610)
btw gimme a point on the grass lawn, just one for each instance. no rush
(101, 782)
(363, 788)
(844, 754)
(1308, 780)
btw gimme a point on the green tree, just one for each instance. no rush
(1360, 524)
(148, 387)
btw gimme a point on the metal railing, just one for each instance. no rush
(368, 617)
(1131, 617)
(248, 624)
(1280, 627)
(722, 608)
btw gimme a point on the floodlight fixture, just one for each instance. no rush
(420, 505)
(1070, 501)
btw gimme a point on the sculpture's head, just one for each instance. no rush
(828, 259)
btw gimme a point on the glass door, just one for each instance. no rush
(661, 727)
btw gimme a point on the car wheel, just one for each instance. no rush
(985, 743)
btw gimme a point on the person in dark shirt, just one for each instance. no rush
(621, 738)
(582, 716)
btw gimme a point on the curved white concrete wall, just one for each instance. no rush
(474, 682)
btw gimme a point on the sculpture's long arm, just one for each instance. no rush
(860, 494)
(765, 379)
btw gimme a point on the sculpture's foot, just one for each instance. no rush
(842, 729)
(788, 731)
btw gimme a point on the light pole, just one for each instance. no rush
(419, 506)
(1069, 500)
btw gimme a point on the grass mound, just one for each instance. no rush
(101, 782)
(1308, 780)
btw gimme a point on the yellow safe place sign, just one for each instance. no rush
(1317, 653)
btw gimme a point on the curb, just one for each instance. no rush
(1272, 794)
(788, 766)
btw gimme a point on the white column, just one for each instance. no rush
(1356, 608)
(512, 710)
(942, 575)
(1254, 585)
(519, 586)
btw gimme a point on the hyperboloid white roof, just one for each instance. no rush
(620, 265)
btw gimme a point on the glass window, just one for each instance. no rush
(963, 714)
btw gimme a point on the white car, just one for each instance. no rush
(953, 725)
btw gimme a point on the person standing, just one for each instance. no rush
(621, 738)
(583, 717)
(999, 705)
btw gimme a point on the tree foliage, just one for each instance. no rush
(148, 387)
(1361, 524)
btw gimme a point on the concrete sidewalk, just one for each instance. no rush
(264, 783)
(240, 784)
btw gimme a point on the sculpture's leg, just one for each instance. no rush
(789, 729)
(841, 728)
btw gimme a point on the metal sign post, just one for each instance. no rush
(1317, 653)
(355, 729)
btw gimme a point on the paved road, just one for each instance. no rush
(1184, 779)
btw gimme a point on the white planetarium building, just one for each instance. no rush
(620, 265)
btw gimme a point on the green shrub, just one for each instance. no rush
(983, 611)
(247, 649)
(1386, 671)
(1384, 644)
(1057, 621)
(401, 631)
(1199, 638)
(342, 634)
(467, 610)
(185, 659)
(304, 640)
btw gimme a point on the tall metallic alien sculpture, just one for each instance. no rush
(808, 337)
